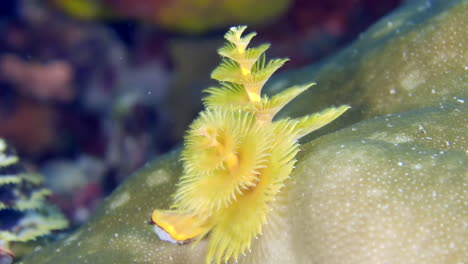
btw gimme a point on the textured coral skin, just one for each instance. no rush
(236, 158)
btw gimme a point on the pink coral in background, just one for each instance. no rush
(51, 81)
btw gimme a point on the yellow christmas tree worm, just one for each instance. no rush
(236, 158)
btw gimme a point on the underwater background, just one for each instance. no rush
(91, 91)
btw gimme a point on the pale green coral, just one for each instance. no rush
(412, 58)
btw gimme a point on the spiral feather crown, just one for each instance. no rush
(236, 158)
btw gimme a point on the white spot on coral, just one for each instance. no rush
(392, 138)
(120, 200)
(401, 138)
(412, 80)
(72, 238)
(158, 177)
(459, 100)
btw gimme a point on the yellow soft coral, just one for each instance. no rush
(236, 158)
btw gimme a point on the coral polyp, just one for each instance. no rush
(236, 158)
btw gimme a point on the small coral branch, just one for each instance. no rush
(236, 158)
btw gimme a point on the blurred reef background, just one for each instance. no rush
(91, 91)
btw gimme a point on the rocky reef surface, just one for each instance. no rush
(386, 184)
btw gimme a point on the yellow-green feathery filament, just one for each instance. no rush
(6, 160)
(212, 139)
(269, 107)
(261, 72)
(234, 35)
(239, 167)
(247, 67)
(233, 95)
(228, 71)
(236, 159)
(238, 224)
(245, 60)
(310, 123)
